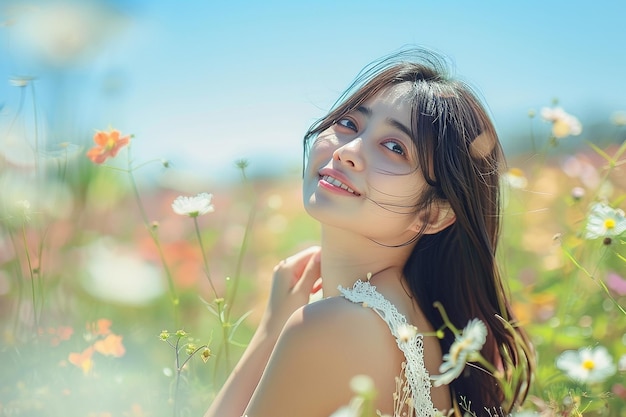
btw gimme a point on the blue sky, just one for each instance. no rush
(203, 83)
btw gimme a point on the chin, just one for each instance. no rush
(311, 206)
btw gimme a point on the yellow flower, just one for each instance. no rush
(206, 354)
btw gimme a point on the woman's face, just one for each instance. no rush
(362, 171)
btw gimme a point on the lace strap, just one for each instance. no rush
(409, 340)
(365, 293)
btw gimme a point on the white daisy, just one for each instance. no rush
(515, 178)
(193, 206)
(604, 221)
(587, 364)
(563, 123)
(464, 349)
(362, 385)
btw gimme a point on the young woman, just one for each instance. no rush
(403, 177)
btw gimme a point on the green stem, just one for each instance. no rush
(17, 113)
(62, 165)
(224, 323)
(178, 370)
(35, 121)
(444, 317)
(532, 136)
(226, 337)
(20, 280)
(147, 163)
(32, 277)
(42, 298)
(489, 367)
(242, 250)
(154, 236)
(600, 283)
(204, 258)
(191, 355)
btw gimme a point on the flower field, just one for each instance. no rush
(126, 297)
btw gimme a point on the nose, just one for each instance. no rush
(350, 154)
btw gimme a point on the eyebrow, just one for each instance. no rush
(367, 112)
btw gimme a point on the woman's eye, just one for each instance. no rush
(394, 147)
(348, 124)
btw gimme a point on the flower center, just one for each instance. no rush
(110, 144)
(560, 128)
(609, 223)
(458, 348)
(588, 364)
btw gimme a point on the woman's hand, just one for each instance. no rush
(293, 282)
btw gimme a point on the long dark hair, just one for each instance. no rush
(460, 157)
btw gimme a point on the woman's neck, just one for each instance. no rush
(347, 257)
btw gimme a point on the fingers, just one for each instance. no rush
(300, 261)
(293, 282)
(301, 269)
(310, 274)
(317, 286)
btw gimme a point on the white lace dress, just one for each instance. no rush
(412, 397)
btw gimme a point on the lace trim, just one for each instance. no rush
(414, 399)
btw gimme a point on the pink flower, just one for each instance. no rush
(616, 283)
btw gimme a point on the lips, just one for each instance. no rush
(333, 180)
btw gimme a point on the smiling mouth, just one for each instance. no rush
(339, 184)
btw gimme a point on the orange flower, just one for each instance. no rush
(108, 145)
(101, 327)
(57, 335)
(83, 360)
(64, 332)
(110, 346)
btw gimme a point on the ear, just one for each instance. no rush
(438, 217)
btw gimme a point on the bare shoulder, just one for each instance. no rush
(337, 315)
(345, 335)
(351, 330)
(322, 347)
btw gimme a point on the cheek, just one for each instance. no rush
(397, 190)
(321, 151)
(325, 142)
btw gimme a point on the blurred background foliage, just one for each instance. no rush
(86, 250)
